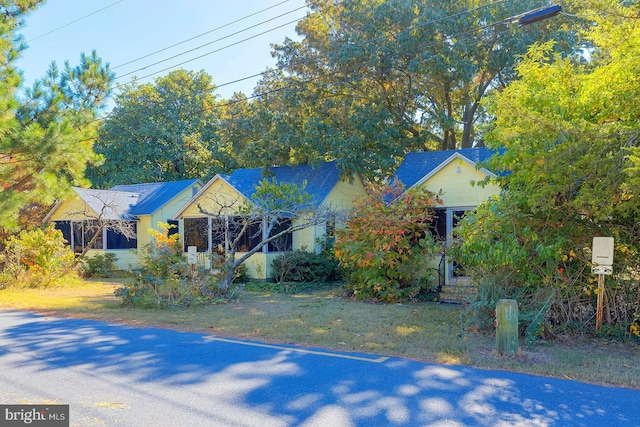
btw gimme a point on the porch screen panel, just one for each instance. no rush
(251, 237)
(65, 228)
(438, 227)
(282, 243)
(196, 233)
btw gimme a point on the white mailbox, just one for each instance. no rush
(602, 251)
(192, 254)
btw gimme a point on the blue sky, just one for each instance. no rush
(126, 30)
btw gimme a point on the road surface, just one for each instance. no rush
(116, 375)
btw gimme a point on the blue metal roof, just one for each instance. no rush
(320, 179)
(154, 195)
(416, 166)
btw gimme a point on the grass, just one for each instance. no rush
(322, 318)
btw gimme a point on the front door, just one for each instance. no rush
(453, 217)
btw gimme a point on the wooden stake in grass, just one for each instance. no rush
(507, 327)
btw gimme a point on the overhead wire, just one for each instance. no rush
(73, 22)
(365, 42)
(213, 30)
(455, 15)
(467, 34)
(212, 42)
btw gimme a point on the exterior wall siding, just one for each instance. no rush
(455, 182)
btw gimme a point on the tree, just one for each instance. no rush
(162, 131)
(372, 80)
(570, 136)
(46, 135)
(275, 211)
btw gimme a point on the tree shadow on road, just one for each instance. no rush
(238, 382)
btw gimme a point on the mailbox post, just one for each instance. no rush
(192, 259)
(602, 261)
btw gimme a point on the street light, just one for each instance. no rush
(536, 15)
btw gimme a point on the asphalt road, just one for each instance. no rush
(116, 375)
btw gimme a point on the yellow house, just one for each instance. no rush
(224, 194)
(113, 214)
(451, 173)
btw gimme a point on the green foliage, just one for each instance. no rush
(304, 266)
(566, 128)
(386, 244)
(100, 265)
(48, 131)
(280, 198)
(395, 76)
(178, 138)
(37, 258)
(166, 280)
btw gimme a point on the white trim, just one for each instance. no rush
(442, 165)
(176, 216)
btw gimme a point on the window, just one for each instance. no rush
(80, 233)
(196, 233)
(116, 240)
(173, 227)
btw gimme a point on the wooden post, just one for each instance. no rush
(600, 302)
(507, 327)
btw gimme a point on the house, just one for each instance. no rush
(108, 213)
(323, 183)
(451, 173)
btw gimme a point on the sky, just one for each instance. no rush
(122, 31)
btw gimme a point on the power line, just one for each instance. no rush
(73, 22)
(215, 41)
(365, 42)
(455, 15)
(300, 85)
(205, 33)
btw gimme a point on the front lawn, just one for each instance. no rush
(323, 318)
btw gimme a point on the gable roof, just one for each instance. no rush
(416, 168)
(109, 205)
(153, 196)
(126, 202)
(319, 180)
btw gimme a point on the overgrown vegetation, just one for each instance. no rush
(386, 242)
(36, 258)
(167, 280)
(569, 138)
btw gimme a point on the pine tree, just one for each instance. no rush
(46, 131)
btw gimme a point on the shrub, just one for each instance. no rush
(303, 266)
(100, 265)
(167, 280)
(385, 245)
(37, 258)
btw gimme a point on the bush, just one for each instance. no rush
(386, 244)
(37, 258)
(303, 266)
(167, 280)
(100, 265)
